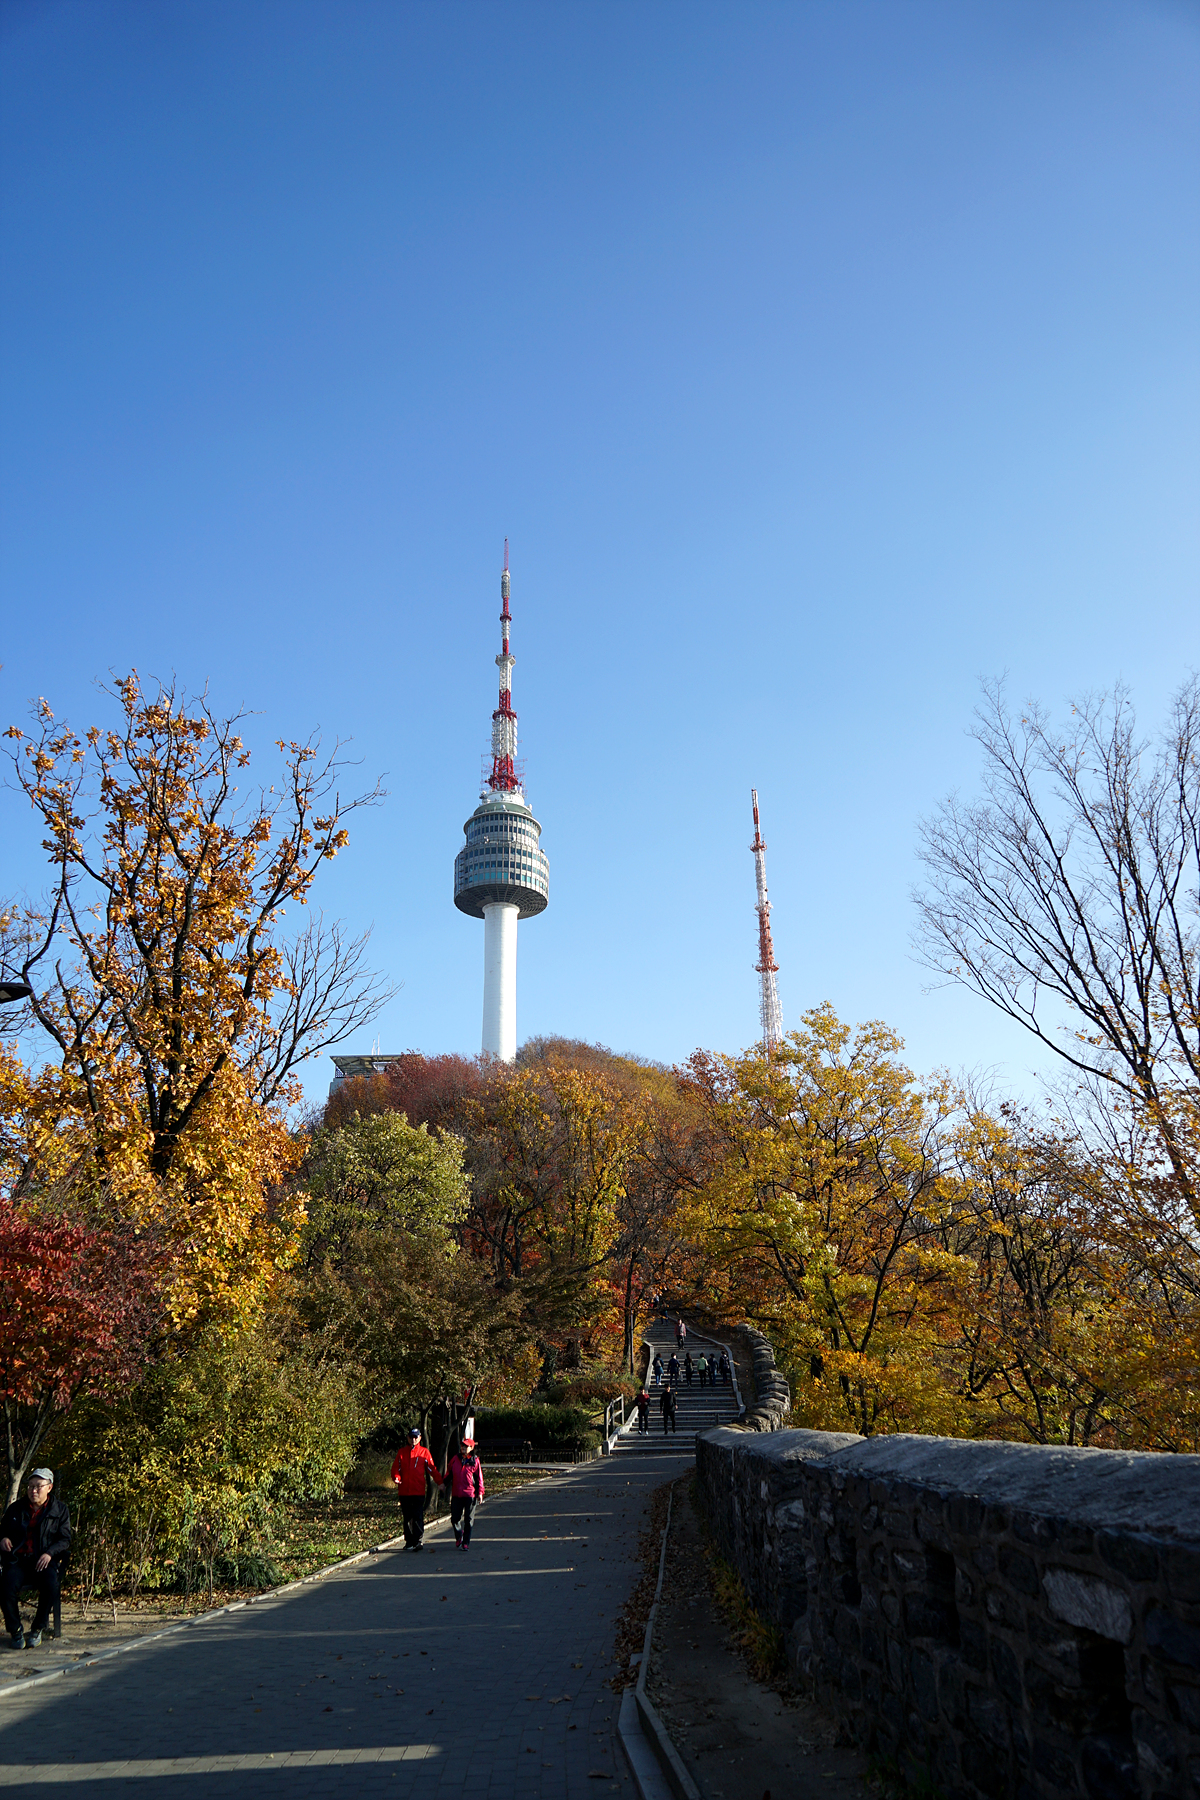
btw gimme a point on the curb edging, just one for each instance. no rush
(681, 1783)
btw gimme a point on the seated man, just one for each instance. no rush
(35, 1535)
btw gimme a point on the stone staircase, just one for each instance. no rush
(699, 1408)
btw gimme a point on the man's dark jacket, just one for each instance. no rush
(51, 1534)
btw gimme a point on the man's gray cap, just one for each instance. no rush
(43, 1475)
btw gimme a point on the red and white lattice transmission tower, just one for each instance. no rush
(769, 1014)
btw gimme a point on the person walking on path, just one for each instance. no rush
(35, 1535)
(658, 1368)
(667, 1407)
(688, 1367)
(725, 1368)
(703, 1366)
(673, 1371)
(410, 1472)
(643, 1412)
(466, 1490)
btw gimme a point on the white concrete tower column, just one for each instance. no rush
(500, 980)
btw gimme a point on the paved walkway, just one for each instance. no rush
(442, 1674)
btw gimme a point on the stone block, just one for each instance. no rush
(1171, 1639)
(964, 1515)
(1181, 1571)
(931, 1529)
(989, 1715)
(1085, 1600)
(1109, 1766)
(1154, 1744)
(1184, 1705)
(1019, 1570)
(984, 1769)
(930, 1616)
(952, 1692)
(1003, 1609)
(973, 1644)
(909, 1565)
(1006, 1672)
(1131, 1556)
(924, 1681)
(1054, 1764)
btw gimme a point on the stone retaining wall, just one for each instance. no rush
(998, 1620)
(772, 1402)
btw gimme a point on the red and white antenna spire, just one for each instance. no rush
(504, 778)
(771, 1018)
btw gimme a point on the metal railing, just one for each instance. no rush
(614, 1419)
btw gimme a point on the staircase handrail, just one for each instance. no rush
(614, 1424)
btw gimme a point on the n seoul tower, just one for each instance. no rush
(501, 873)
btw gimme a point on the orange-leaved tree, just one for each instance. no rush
(173, 999)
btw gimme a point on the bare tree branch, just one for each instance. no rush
(1074, 888)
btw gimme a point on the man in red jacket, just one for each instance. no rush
(412, 1467)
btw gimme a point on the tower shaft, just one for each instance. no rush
(500, 980)
(769, 1013)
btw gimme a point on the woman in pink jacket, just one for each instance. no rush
(466, 1490)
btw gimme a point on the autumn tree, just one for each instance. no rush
(1080, 1322)
(827, 1188)
(78, 1311)
(553, 1146)
(172, 995)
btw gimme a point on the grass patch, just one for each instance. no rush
(761, 1643)
(305, 1539)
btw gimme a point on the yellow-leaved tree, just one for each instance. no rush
(826, 1202)
(170, 999)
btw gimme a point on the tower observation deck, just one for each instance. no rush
(501, 874)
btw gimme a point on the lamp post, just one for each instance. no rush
(14, 990)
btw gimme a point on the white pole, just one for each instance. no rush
(500, 980)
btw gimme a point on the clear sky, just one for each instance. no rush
(817, 359)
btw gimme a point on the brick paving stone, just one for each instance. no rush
(290, 1679)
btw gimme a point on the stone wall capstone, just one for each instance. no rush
(1000, 1621)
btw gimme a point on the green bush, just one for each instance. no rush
(174, 1483)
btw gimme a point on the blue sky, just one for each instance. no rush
(816, 359)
